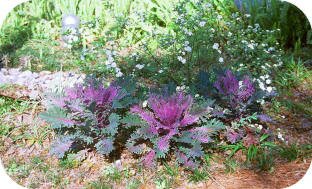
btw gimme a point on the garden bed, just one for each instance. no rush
(156, 94)
(28, 140)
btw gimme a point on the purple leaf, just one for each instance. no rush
(265, 118)
(233, 136)
(61, 146)
(105, 146)
(67, 122)
(227, 84)
(185, 161)
(188, 120)
(149, 159)
(163, 142)
(246, 90)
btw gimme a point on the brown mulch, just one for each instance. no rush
(15, 92)
(283, 176)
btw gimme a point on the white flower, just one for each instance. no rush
(144, 104)
(280, 136)
(181, 16)
(118, 164)
(261, 86)
(119, 74)
(68, 45)
(108, 52)
(181, 59)
(113, 65)
(247, 15)
(219, 17)
(240, 84)
(196, 95)
(186, 43)
(260, 127)
(110, 59)
(215, 46)
(268, 81)
(221, 60)
(269, 89)
(207, 5)
(75, 38)
(202, 23)
(188, 32)
(188, 49)
(251, 46)
(271, 49)
(230, 34)
(219, 51)
(139, 66)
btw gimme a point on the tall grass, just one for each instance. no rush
(294, 25)
(38, 17)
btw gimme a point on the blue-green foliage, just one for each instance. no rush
(84, 117)
(169, 126)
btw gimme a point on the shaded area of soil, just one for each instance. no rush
(283, 176)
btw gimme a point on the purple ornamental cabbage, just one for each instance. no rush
(86, 95)
(168, 119)
(167, 115)
(236, 91)
(84, 117)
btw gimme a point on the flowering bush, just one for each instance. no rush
(168, 124)
(84, 117)
(202, 37)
